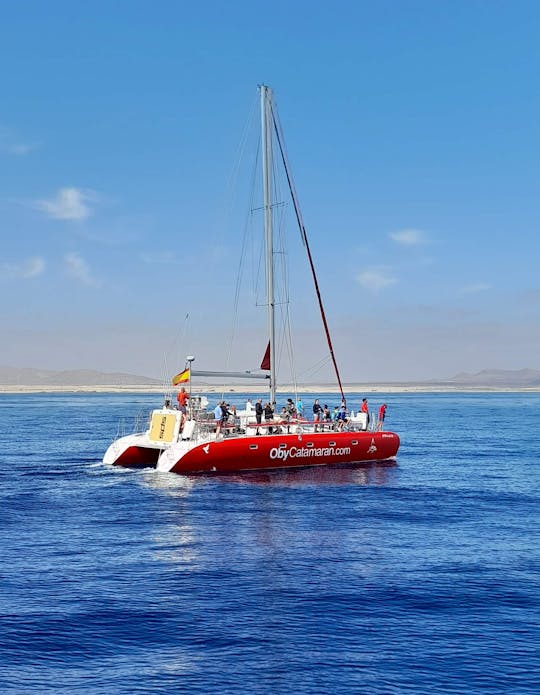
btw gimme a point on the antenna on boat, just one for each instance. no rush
(189, 360)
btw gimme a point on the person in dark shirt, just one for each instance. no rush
(258, 413)
(342, 417)
(269, 415)
(290, 408)
(225, 412)
(317, 413)
(221, 415)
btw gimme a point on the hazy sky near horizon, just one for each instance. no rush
(412, 129)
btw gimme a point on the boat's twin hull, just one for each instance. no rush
(266, 452)
(133, 451)
(138, 457)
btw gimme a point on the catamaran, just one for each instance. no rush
(195, 442)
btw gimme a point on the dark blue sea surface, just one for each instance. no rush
(418, 577)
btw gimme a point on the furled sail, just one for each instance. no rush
(265, 364)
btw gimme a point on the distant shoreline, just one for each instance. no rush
(287, 388)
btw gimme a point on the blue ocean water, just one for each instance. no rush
(410, 578)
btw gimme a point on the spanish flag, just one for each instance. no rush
(181, 378)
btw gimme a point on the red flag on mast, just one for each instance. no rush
(265, 364)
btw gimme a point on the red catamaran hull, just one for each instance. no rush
(285, 451)
(138, 457)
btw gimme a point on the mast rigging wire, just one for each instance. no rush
(303, 233)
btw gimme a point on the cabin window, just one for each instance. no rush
(253, 446)
(282, 446)
(309, 444)
(331, 444)
(354, 441)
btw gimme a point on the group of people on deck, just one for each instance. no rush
(322, 417)
(340, 417)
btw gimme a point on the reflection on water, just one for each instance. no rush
(240, 522)
(376, 473)
(176, 544)
(174, 485)
(352, 474)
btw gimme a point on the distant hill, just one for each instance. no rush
(11, 376)
(15, 378)
(498, 377)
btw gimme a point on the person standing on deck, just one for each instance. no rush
(225, 413)
(365, 409)
(300, 408)
(258, 413)
(182, 398)
(382, 415)
(317, 413)
(217, 418)
(269, 415)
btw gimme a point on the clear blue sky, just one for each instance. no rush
(413, 134)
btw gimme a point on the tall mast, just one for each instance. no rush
(266, 146)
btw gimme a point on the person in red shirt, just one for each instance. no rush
(182, 399)
(365, 409)
(382, 414)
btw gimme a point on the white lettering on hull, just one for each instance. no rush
(296, 452)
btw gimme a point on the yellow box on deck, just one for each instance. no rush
(162, 427)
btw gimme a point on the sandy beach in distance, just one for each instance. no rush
(286, 388)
